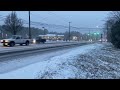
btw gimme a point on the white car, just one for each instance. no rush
(16, 39)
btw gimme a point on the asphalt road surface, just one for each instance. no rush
(14, 61)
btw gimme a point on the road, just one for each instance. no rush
(18, 48)
(17, 60)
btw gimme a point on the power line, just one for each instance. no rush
(61, 26)
(65, 28)
(58, 26)
(41, 17)
(86, 28)
(45, 24)
(2, 17)
(40, 24)
(59, 16)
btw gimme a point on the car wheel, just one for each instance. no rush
(12, 44)
(27, 43)
(4, 45)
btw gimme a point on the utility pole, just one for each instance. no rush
(44, 30)
(1, 32)
(29, 27)
(89, 36)
(101, 37)
(69, 31)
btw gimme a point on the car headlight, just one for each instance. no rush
(34, 41)
(6, 41)
(1, 40)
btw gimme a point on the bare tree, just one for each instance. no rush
(113, 28)
(13, 24)
(114, 16)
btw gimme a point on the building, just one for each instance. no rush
(74, 38)
(52, 37)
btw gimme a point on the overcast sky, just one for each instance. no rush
(77, 18)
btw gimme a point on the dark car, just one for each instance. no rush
(40, 40)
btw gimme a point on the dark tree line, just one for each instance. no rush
(112, 26)
(24, 32)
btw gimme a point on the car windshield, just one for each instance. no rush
(38, 38)
(13, 37)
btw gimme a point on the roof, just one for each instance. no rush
(51, 35)
(60, 35)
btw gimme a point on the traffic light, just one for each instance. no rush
(95, 33)
(98, 33)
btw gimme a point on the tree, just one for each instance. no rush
(113, 28)
(13, 24)
(115, 34)
(46, 31)
(35, 32)
(115, 15)
(109, 23)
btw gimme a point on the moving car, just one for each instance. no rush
(38, 40)
(15, 39)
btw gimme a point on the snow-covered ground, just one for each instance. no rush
(94, 61)
(60, 65)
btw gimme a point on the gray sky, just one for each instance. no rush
(77, 18)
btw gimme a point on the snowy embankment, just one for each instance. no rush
(62, 66)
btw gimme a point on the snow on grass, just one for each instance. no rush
(59, 66)
(101, 63)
